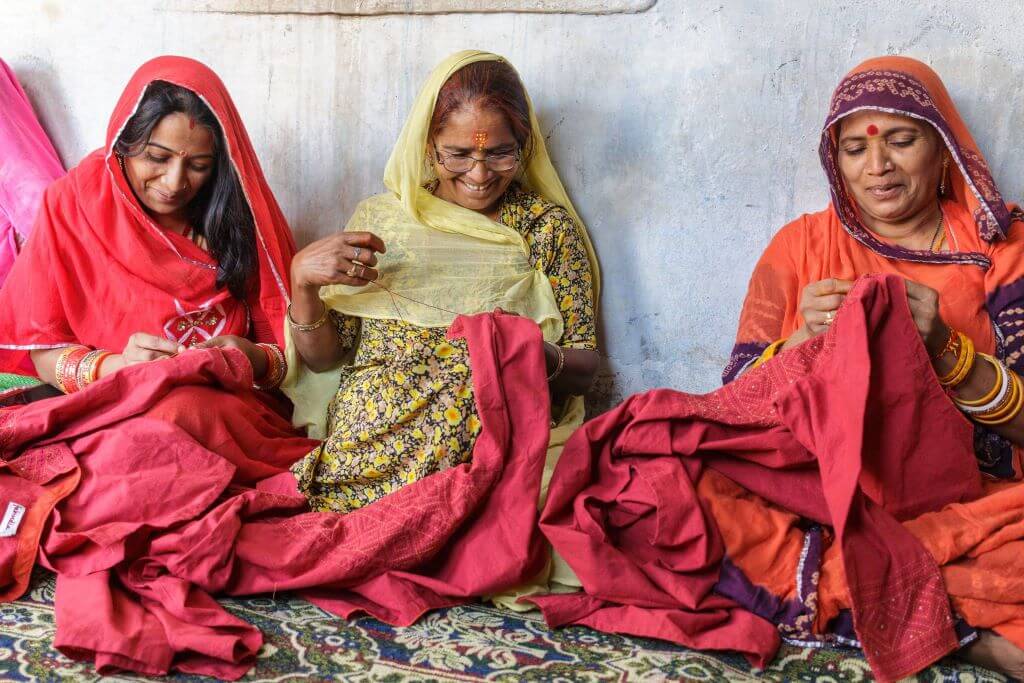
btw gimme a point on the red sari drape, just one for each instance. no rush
(99, 269)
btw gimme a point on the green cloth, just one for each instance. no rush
(8, 381)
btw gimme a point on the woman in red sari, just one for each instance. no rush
(167, 238)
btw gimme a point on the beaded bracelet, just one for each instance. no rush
(277, 367)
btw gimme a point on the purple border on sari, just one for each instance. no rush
(742, 356)
(795, 618)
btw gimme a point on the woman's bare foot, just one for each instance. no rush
(997, 653)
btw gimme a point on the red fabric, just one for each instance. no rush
(98, 269)
(850, 429)
(160, 521)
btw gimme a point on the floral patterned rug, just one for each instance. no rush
(469, 643)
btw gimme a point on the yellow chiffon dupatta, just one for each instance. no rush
(441, 259)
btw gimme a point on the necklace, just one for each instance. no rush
(934, 246)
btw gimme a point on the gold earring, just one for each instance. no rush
(942, 182)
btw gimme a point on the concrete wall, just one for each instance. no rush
(686, 133)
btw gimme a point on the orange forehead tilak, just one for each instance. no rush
(480, 138)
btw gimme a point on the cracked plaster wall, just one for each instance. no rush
(686, 134)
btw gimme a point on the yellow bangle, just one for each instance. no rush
(1010, 409)
(768, 353)
(964, 363)
(990, 396)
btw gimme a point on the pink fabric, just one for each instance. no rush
(159, 523)
(28, 164)
(850, 429)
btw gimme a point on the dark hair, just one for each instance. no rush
(491, 85)
(219, 212)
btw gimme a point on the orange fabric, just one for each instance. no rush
(816, 246)
(978, 546)
(980, 281)
(762, 539)
(983, 255)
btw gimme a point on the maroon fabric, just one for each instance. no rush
(162, 520)
(850, 429)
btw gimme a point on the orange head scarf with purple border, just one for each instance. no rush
(979, 276)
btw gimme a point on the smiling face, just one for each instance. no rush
(171, 168)
(474, 132)
(891, 165)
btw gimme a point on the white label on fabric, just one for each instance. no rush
(12, 519)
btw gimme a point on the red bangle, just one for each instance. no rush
(276, 368)
(66, 370)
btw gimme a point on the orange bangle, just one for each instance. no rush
(66, 369)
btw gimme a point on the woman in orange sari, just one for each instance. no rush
(912, 196)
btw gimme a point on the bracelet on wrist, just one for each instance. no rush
(277, 368)
(560, 365)
(768, 353)
(308, 327)
(948, 346)
(66, 370)
(963, 347)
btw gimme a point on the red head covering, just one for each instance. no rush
(98, 268)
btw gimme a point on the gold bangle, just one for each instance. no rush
(991, 395)
(307, 327)
(84, 370)
(770, 352)
(964, 362)
(1011, 409)
(561, 361)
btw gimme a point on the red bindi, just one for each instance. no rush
(872, 129)
(191, 123)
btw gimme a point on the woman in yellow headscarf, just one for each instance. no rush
(475, 218)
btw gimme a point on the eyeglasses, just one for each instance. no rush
(464, 163)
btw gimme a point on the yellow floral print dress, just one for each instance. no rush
(404, 408)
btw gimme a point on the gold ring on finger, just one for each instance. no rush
(829, 317)
(351, 272)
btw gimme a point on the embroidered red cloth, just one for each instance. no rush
(162, 519)
(98, 269)
(850, 429)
